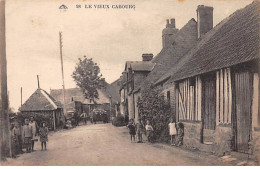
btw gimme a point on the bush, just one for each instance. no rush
(154, 107)
(119, 121)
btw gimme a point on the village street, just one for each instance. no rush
(104, 144)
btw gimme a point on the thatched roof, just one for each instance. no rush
(40, 100)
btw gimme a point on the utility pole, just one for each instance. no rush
(4, 117)
(62, 72)
(110, 107)
(21, 96)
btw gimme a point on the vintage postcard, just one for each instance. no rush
(129, 82)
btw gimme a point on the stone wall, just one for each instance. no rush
(136, 96)
(191, 135)
(255, 145)
(130, 107)
(223, 138)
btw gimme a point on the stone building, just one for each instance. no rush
(215, 86)
(202, 27)
(113, 91)
(134, 73)
(180, 43)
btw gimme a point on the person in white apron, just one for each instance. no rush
(172, 131)
(34, 126)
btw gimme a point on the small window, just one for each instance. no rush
(168, 95)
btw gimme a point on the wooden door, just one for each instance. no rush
(209, 103)
(243, 102)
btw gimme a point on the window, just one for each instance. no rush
(168, 96)
(186, 97)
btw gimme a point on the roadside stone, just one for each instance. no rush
(242, 163)
(229, 159)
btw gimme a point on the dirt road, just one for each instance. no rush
(104, 144)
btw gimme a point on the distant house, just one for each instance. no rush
(215, 86)
(134, 73)
(112, 90)
(75, 100)
(41, 105)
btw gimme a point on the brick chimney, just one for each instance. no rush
(147, 56)
(169, 33)
(204, 19)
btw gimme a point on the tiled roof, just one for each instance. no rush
(139, 65)
(103, 98)
(235, 41)
(40, 100)
(78, 95)
(205, 38)
(186, 38)
(113, 90)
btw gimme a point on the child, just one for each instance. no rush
(149, 131)
(131, 127)
(180, 133)
(172, 131)
(139, 130)
(43, 132)
(27, 135)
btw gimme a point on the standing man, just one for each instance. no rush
(27, 134)
(19, 136)
(76, 118)
(84, 117)
(34, 127)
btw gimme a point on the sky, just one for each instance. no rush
(109, 36)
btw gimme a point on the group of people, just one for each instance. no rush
(140, 129)
(176, 131)
(24, 136)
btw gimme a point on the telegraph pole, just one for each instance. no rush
(21, 96)
(62, 72)
(4, 117)
(38, 80)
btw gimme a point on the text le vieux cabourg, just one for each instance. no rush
(105, 6)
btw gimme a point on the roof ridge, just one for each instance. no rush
(221, 45)
(49, 99)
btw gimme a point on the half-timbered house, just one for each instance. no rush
(217, 85)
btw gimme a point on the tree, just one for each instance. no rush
(87, 77)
